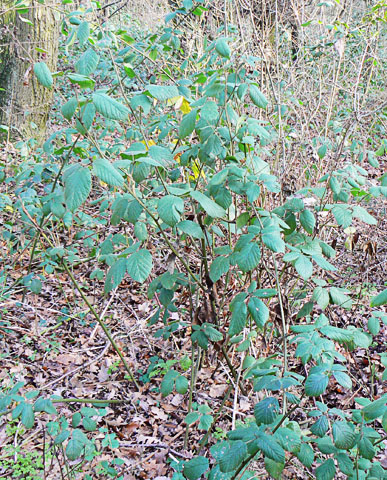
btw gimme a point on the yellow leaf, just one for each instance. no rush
(196, 171)
(150, 143)
(185, 107)
(179, 103)
(173, 100)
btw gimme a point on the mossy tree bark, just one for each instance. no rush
(28, 36)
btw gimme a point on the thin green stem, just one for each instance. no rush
(102, 324)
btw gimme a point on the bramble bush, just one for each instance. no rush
(183, 156)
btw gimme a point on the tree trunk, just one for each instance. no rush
(28, 36)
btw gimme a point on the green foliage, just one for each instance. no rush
(180, 157)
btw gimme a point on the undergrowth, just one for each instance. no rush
(218, 182)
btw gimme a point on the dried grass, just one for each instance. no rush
(149, 13)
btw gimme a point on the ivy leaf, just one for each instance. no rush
(316, 384)
(139, 265)
(233, 457)
(169, 209)
(77, 181)
(107, 172)
(115, 275)
(110, 108)
(209, 206)
(326, 471)
(257, 97)
(259, 311)
(87, 62)
(266, 411)
(194, 469)
(43, 74)
(343, 435)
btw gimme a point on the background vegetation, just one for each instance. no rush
(194, 240)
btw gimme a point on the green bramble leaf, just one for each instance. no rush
(221, 46)
(115, 275)
(168, 382)
(169, 209)
(77, 181)
(194, 469)
(74, 449)
(306, 455)
(233, 457)
(139, 265)
(181, 385)
(209, 206)
(27, 415)
(266, 411)
(259, 311)
(316, 384)
(343, 435)
(326, 471)
(104, 170)
(187, 124)
(109, 107)
(43, 74)
(87, 62)
(380, 299)
(162, 92)
(257, 97)
(83, 32)
(69, 108)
